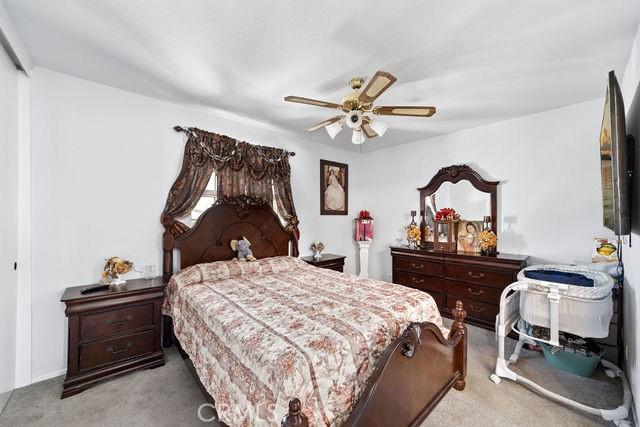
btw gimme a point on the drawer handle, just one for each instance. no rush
(414, 280)
(121, 322)
(475, 276)
(119, 350)
(477, 310)
(477, 294)
(414, 265)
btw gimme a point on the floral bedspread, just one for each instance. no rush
(261, 333)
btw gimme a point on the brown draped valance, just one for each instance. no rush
(241, 169)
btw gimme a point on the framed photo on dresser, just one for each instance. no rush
(334, 188)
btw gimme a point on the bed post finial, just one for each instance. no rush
(295, 417)
(459, 314)
(460, 351)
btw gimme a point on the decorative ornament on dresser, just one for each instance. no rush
(113, 267)
(364, 237)
(445, 230)
(413, 232)
(469, 236)
(317, 248)
(334, 188)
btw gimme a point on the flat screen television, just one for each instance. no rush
(614, 162)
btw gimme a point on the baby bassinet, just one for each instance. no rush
(582, 311)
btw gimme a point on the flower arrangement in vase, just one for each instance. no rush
(413, 232)
(488, 239)
(317, 248)
(113, 267)
(447, 214)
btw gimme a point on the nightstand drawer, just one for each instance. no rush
(113, 322)
(336, 267)
(100, 353)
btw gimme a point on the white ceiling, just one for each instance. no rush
(479, 62)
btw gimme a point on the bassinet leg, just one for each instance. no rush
(516, 353)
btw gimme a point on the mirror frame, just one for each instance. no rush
(454, 174)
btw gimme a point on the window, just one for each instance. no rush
(208, 198)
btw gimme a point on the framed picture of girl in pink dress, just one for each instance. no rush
(334, 188)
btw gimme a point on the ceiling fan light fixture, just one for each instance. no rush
(333, 129)
(354, 119)
(378, 127)
(357, 137)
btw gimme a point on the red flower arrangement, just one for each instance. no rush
(446, 213)
(364, 215)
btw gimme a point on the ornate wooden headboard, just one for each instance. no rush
(230, 218)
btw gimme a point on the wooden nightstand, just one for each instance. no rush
(112, 332)
(328, 261)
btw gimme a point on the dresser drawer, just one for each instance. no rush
(108, 323)
(418, 281)
(479, 310)
(474, 292)
(419, 266)
(99, 353)
(483, 276)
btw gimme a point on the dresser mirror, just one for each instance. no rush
(463, 189)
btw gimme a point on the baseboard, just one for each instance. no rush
(48, 376)
(4, 398)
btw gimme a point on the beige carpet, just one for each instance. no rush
(168, 396)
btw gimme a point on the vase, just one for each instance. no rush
(489, 252)
(317, 255)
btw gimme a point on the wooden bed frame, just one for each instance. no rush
(414, 373)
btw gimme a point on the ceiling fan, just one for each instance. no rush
(357, 108)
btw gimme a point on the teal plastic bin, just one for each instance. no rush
(568, 360)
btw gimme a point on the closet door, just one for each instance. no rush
(8, 222)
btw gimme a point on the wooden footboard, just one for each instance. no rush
(413, 375)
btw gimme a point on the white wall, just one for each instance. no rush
(103, 161)
(8, 222)
(631, 255)
(549, 203)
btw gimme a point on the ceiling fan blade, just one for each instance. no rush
(405, 111)
(309, 101)
(324, 123)
(368, 132)
(366, 128)
(374, 88)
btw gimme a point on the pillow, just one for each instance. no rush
(221, 270)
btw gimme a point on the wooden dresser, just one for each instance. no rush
(112, 332)
(475, 280)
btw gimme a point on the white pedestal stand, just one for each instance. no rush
(364, 257)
